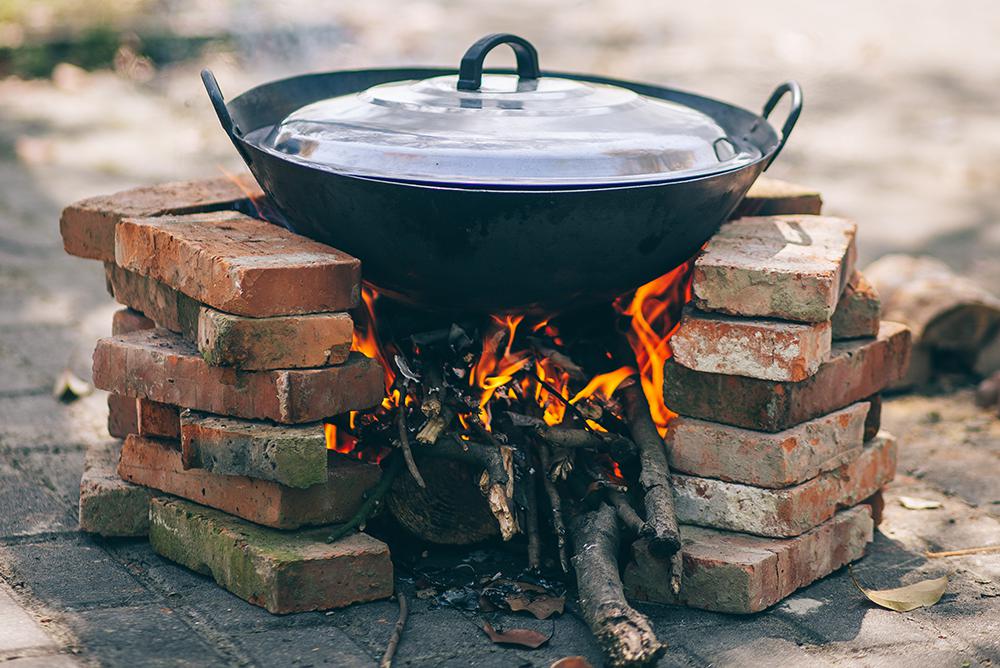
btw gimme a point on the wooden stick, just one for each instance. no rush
(985, 549)
(371, 502)
(531, 518)
(555, 505)
(626, 513)
(624, 634)
(397, 632)
(654, 475)
(404, 440)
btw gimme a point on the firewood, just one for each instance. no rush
(617, 446)
(625, 635)
(555, 505)
(531, 518)
(397, 632)
(404, 439)
(627, 515)
(654, 475)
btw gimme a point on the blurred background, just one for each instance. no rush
(900, 129)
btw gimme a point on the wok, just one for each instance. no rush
(499, 247)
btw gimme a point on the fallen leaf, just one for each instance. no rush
(921, 594)
(542, 607)
(520, 637)
(913, 503)
(572, 662)
(69, 387)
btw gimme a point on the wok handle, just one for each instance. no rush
(219, 104)
(793, 113)
(470, 72)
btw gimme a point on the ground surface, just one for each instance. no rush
(899, 133)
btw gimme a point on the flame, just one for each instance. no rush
(493, 370)
(654, 313)
(366, 340)
(604, 384)
(256, 197)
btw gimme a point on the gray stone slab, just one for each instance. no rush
(19, 630)
(26, 506)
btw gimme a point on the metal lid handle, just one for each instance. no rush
(470, 72)
(793, 113)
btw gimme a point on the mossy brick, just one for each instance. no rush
(88, 226)
(858, 310)
(790, 267)
(281, 571)
(763, 459)
(238, 264)
(772, 197)
(109, 506)
(127, 320)
(157, 464)
(741, 574)
(123, 415)
(163, 366)
(753, 347)
(857, 369)
(295, 456)
(165, 306)
(158, 420)
(789, 511)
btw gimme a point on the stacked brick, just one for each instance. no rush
(232, 350)
(776, 369)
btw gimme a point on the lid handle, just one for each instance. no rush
(470, 72)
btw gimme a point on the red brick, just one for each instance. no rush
(167, 307)
(772, 197)
(109, 506)
(239, 264)
(157, 464)
(857, 313)
(161, 366)
(281, 571)
(88, 226)
(158, 420)
(857, 369)
(756, 348)
(126, 320)
(790, 511)
(785, 267)
(736, 573)
(762, 459)
(123, 415)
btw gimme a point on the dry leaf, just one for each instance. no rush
(69, 387)
(913, 503)
(921, 594)
(542, 607)
(572, 662)
(520, 637)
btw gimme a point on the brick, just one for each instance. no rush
(790, 511)
(239, 264)
(856, 369)
(282, 572)
(279, 342)
(88, 226)
(772, 197)
(109, 506)
(857, 313)
(253, 344)
(756, 348)
(167, 307)
(873, 421)
(159, 365)
(736, 573)
(733, 454)
(157, 464)
(295, 456)
(158, 420)
(785, 267)
(123, 416)
(126, 320)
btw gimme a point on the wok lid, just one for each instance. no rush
(503, 129)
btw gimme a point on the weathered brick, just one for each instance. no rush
(88, 226)
(123, 415)
(290, 455)
(762, 459)
(278, 342)
(857, 313)
(167, 307)
(752, 347)
(790, 511)
(856, 369)
(157, 464)
(786, 267)
(158, 420)
(736, 573)
(109, 506)
(126, 320)
(772, 197)
(282, 572)
(252, 344)
(239, 264)
(159, 365)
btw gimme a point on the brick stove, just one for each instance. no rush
(235, 347)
